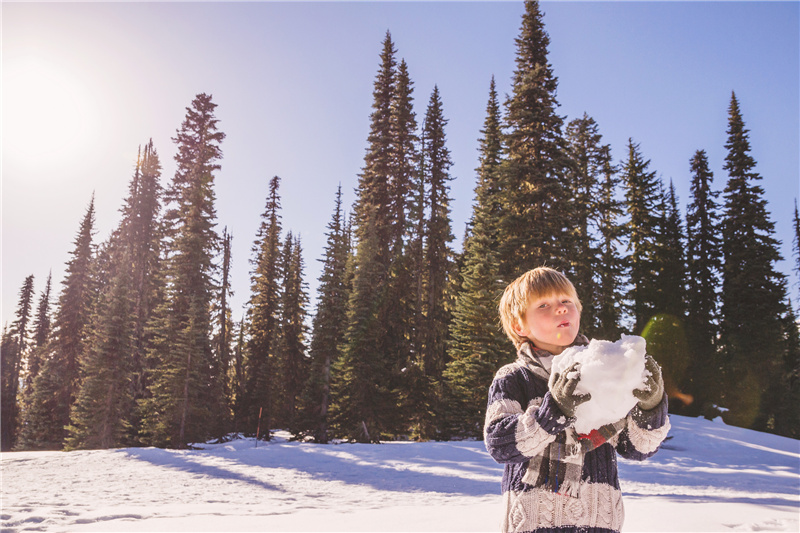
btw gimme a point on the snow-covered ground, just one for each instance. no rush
(707, 477)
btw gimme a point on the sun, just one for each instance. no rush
(50, 117)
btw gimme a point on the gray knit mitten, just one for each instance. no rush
(562, 389)
(653, 392)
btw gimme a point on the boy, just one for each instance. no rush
(554, 478)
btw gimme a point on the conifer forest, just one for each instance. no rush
(139, 346)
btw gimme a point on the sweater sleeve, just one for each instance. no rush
(644, 432)
(513, 434)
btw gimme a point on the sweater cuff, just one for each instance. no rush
(550, 417)
(653, 418)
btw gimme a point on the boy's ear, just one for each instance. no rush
(519, 329)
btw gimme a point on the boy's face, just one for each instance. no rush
(551, 322)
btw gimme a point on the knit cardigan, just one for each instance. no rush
(522, 419)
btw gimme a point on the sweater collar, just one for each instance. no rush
(540, 361)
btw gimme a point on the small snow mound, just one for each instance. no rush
(610, 372)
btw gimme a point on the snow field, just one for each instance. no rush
(707, 477)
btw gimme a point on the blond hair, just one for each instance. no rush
(540, 282)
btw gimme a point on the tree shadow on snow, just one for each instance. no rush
(402, 467)
(182, 460)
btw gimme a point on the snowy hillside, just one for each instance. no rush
(707, 477)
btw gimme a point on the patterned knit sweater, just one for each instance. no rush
(522, 419)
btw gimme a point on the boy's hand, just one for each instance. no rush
(651, 395)
(562, 389)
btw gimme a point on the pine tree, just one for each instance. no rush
(589, 160)
(535, 202)
(665, 331)
(237, 377)
(328, 327)
(263, 314)
(430, 362)
(11, 366)
(753, 291)
(112, 366)
(57, 384)
(184, 390)
(101, 414)
(291, 357)
(786, 415)
(642, 198)
(38, 353)
(8, 366)
(223, 340)
(143, 237)
(366, 375)
(399, 312)
(361, 400)
(610, 231)
(671, 258)
(477, 346)
(704, 264)
(796, 245)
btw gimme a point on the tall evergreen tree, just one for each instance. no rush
(671, 258)
(11, 365)
(665, 331)
(362, 402)
(223, 339)
(291, 357)
(796, 246)
(642, 199)
(399, 311)
(112, 366)
(264, 313)
(438, 260)
(57, 384)
(535, 202)
(183, 403)
(143, 234)
(366, 377)
(8, 366)
(328, 327)
(704, 264)
(41, 340)
(101, 414)
(438, 236)
(589, 159)
(787, 393)
(611, 231)
(238, 379)
(753, 291)
(477, 346)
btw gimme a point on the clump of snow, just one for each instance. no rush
(610, 372)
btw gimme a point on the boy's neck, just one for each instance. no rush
(552, 348)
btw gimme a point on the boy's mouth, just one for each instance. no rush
(564, 324)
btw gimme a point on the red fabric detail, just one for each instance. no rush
(594, 436)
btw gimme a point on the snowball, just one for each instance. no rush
(609, 371)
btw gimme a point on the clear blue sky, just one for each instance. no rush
(85, 84)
